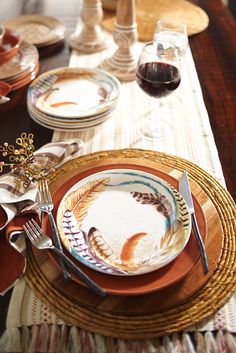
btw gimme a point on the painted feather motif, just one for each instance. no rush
(79, 242)
(128, 249)
(172, 239)
(158, 200)
(100, 246)
(126, 260)
(79, 200)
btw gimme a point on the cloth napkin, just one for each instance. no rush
(18, 205)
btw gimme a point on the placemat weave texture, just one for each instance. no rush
(200, 306)
(148, 12)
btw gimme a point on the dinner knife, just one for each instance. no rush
(184, 189)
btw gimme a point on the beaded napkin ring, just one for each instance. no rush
(22, 161)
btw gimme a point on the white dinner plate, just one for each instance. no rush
(123, 222)
(74, 92)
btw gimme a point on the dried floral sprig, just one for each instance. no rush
(21, 161)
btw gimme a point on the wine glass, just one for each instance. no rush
(158, 75)
(168, 30)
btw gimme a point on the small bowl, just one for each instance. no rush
(10, 45)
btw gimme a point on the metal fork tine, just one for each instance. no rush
(44, 192)
(37, 230)
(41, 241)
(47, 192)
(46, 205)
(29, 234)
(35, 224)
(41, 191)
(34, 235)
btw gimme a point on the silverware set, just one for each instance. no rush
(41, 241)
(45, 204)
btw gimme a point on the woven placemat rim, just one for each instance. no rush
(180, 164)
(200, 20)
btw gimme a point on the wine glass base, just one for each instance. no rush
(172, 104)
(149, 132)
(157, 125)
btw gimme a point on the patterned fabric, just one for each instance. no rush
(17, 206)
(13, 201)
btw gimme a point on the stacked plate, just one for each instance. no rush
(72, 98)
(22, 68)
(127, 227)
(37, 29)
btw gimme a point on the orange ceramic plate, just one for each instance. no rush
(10, 45)
(27, 79)
(24, 61)
(142, 284)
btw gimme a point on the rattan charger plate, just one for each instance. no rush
(216, 288)
(148, 12)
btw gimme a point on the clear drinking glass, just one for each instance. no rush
(158, 75)
(168, 30)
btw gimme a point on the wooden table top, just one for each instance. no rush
(214, 52)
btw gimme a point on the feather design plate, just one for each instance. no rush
(123, 222)
(74, 92)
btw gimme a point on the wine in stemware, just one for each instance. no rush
(158, 75)
(158, 79)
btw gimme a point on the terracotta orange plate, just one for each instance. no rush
(141, 284)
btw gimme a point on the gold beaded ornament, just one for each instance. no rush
(22, 161)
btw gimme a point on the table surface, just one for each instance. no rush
(214, 53)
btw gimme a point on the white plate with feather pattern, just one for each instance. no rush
(74, 92)
(123, 222)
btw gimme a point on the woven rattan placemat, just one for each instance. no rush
(205, 302)
(148, 12)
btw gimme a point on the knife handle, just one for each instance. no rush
(200, 244)
(57, 241)
(82, 275)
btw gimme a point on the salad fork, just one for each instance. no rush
(41, 241)
(45, 204)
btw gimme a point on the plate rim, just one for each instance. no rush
(31, 64)
(43, 19)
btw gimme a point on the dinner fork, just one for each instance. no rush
(45, 204)
(41, 241)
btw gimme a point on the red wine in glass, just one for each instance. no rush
(158, 79)
(158, 75)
